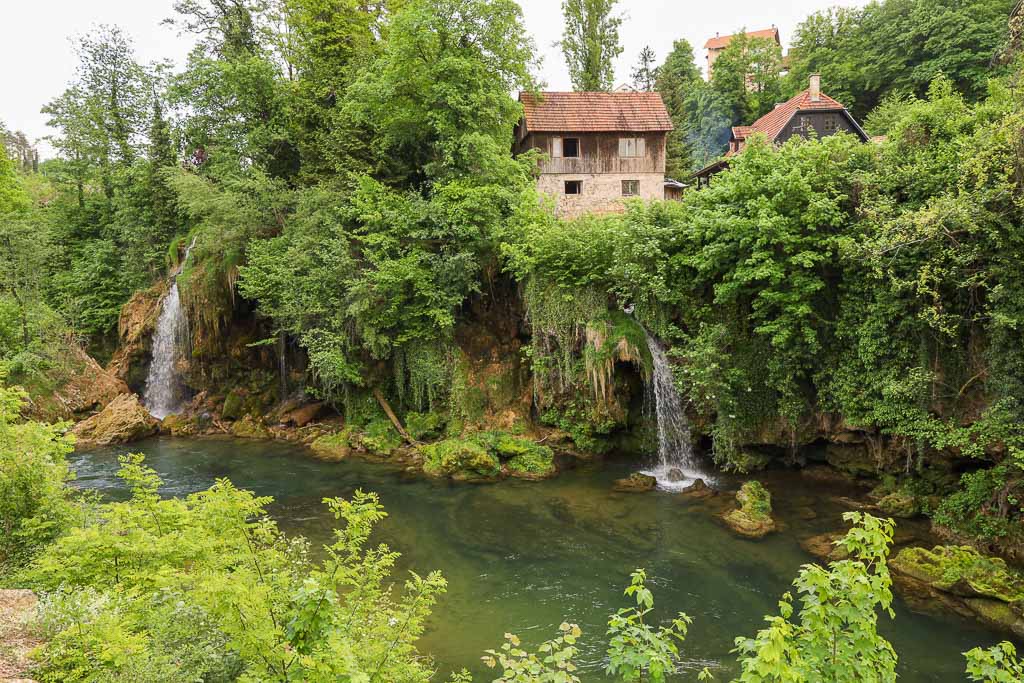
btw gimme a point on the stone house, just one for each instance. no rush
(600, 148)
(806, 112)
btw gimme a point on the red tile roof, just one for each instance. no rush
(595, 112)
(741, 132)
(772, 123)
(721, 42)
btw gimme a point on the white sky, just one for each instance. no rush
(38, 60)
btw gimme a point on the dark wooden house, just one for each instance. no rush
(807, 112)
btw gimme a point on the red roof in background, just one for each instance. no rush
(741, 132)
(595, 112)
(720, 42)
(772, 123)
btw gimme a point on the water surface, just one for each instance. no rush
(524, 556)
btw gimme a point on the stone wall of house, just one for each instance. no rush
(601, 192)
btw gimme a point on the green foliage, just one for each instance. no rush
(424, 425)
(35, 502)
(677, 79)
(987, 507)
(636, 650)
(746, 76)
(755, 500)
(207, 586)
(998, 664)
(380, 437)
(865, 53)
(590, 43)
(551, 664)
(835, 637)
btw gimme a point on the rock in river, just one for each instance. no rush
(123, 420)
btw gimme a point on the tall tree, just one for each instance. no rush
(677, 78)
(645, 73)
(590, 43)
(747, 77)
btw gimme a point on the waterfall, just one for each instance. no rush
(677, 466)
(165, 391)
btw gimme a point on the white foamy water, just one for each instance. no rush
(165, 391)
(676, 468)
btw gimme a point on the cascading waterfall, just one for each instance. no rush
(677, 466)
(165, 391)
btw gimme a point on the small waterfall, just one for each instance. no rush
(165, 392)
(677, 466)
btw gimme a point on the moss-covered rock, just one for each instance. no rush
(380, 438)
(178, 425)
(962, 580)
(250, 428)
(333, 447)
(123, 420)
(753, 519)
(424, 426)
(461, 460)
(536, 463)
(635, 483)
(748, 460)
(823, 546)
(234, 405)
(851, 459)
(901, 504)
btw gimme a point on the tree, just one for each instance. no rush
(590, 43)
(645, 74)
(677, 78)
(836, 635)
(747, 77)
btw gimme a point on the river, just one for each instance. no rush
(524, 556)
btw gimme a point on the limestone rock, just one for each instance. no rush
(698, 491)
(962, 581)
(303, 415)
(332, 447)
(123, 420)
(900, 504)
(635, 483)
(135, 331)
(753, 519)
(852, 459)
(823, 546)
(250, 428)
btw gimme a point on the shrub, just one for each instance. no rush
(198, 588)
(35, 503)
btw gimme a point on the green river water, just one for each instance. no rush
(524, 556)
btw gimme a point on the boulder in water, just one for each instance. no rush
(123, 420)
(635, 483)
(675, 474)
(698, 491)
(962, 581)
(753, 519)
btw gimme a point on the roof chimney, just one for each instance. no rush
(815, 89)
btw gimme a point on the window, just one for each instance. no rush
(630, 188)
(631, 148)
(831, 124)
(574, 187)
(565, 147)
